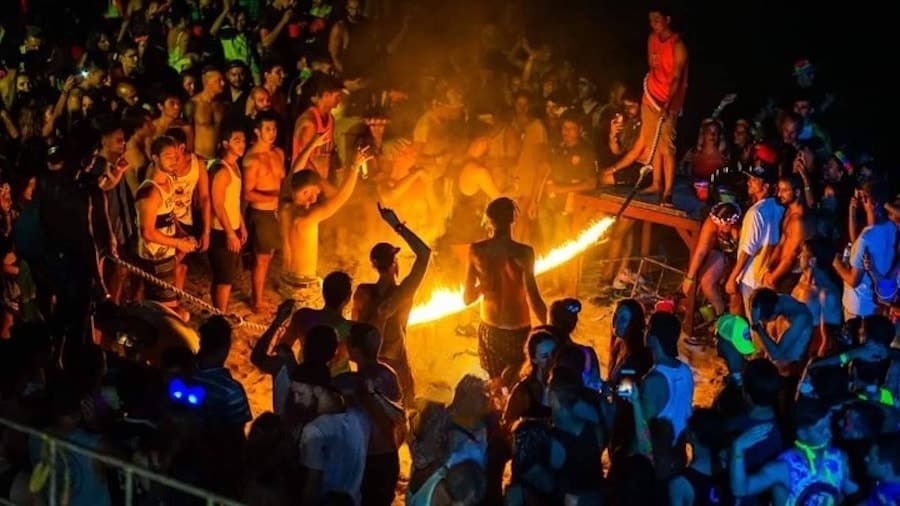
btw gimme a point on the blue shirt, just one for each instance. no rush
(226, 402)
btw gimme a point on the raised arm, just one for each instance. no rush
(411, 282)
(333, 204)
(301, 159)
(260, 357)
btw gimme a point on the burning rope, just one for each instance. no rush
(445, 301)
(186, 297)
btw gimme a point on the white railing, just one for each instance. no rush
(130, 470)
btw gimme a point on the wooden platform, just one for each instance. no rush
(686, 217)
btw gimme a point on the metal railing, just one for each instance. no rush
(130, 470)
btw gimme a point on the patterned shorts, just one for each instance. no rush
(499, 348)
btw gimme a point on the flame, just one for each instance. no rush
(446, 301)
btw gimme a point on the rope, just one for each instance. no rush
(186, 297)
(659, 124)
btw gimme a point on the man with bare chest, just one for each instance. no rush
(206, 113)
(796, 226)
(301, 216)
(261, 186)
(501, 272)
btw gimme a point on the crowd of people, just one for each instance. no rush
(161, 139)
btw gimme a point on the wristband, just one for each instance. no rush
(689, 279)
(844, 358)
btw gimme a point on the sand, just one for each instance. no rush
(438, 356)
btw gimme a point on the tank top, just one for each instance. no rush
(813, 482)
(662, 66)
(422, 497)
(677, 410)
(320, 159)
(165, 223)
(708, 490)
(232, 195)
(183, 193)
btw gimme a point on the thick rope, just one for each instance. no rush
(659, 123)
(186, 297)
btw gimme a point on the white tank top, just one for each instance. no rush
(165, 223)
(232, 196)
(679, 406)
(184, 192)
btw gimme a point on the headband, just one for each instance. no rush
(725, 221)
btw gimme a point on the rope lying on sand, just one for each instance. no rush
(237, 321)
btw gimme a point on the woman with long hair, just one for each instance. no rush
(528, 397)
(627, 348)
(710, 152)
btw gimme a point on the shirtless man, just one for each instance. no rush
(158, 242)
(170, 106)
(139, 127)
(262, 178)
(794, 324)
(300, 218)
(318, 120)
(206, 113)
(191, 182)
(795, 228)
(501, 272)
(386, 304)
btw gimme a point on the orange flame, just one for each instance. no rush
(444, 301)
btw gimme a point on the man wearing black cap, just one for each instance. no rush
(501, 272)
(386, 304)
(760, 233)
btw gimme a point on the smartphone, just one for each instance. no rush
(626, 386)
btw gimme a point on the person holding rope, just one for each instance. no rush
(159, 241)
(664, 90)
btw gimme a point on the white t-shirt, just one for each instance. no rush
(336, 445)
(879, 241)
(760, 232)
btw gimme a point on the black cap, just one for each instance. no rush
(768, 173)
(382, 255)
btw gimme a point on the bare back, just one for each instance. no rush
(500, 267)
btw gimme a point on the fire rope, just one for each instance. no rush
(186, 297)
(446, 301)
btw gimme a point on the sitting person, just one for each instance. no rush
(564, 319)
(710, 152)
